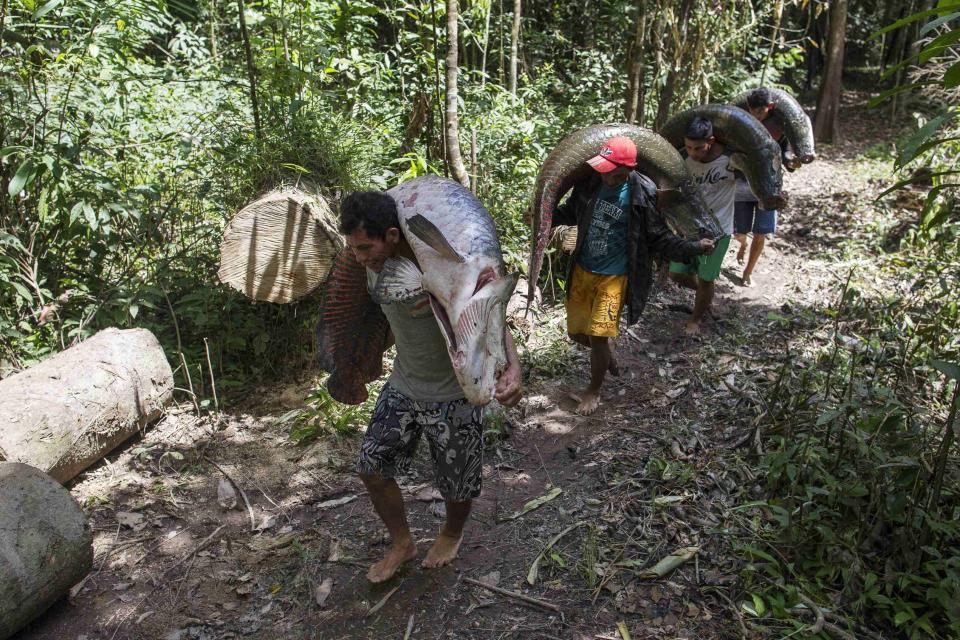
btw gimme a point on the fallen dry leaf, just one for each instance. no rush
(322, 592)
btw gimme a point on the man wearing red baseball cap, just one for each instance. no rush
(618, 231)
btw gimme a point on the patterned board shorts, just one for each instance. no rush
(454, 432)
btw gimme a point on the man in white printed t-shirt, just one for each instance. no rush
(709, 163)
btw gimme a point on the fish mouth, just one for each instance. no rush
(444, 321)
(777, 202)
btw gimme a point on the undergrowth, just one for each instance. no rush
(862, 514)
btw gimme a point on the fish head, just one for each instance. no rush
(687, 212)
(764, 172)
(473, 327)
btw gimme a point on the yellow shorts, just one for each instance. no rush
(594, 303)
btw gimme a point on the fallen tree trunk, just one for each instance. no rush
(279, 247)
(70, 410)
(45, 544)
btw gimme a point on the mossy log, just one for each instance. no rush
(45, 544)
(279, 247)
(67, 412)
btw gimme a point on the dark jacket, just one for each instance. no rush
(647, 235)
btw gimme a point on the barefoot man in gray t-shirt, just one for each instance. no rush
(422, 395)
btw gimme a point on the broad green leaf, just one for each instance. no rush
(952, 76)
(45, 9)
(949, 369)
(946, 8)
(6, 152)
(889, 93)
(24, 176)
(902, 617)
(933, 24)
(921, 136)
(939, 44)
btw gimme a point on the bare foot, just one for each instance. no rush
(396, 556)
(587, 401)
(747, 280)
(742, 254)
(692, 328)
(443, 551)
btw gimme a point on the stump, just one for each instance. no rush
(45, 544)
(280, 247)
(70, 410)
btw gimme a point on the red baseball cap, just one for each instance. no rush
(618, 152)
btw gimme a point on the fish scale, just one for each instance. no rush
(790, 117)
(744, 135)
(656, 158)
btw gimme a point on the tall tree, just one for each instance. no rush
(828, 102)
(514, 47)
(454, 158)
(251, 71)
(637, 70)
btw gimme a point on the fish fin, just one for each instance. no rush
(432, 237)
(477, 317)
(399, 281)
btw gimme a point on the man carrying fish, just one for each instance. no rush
(748, 215)
(709, 162)
(426, 389)
(618, 226)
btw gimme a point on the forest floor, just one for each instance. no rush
(665, 464)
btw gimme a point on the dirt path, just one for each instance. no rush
(639, 480)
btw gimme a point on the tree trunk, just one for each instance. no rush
(777, 17)
(70, 410)
(46, 546)
(251, 72)
(634, 110)
(828, 102)
(514, 48)
(486, 44)
(454, 158)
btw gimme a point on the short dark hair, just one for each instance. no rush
(375, 211)
(699, 129)
(759, 98)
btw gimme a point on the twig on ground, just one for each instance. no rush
(406, 636)
(514, 594)
(382, 602)
(243, 494)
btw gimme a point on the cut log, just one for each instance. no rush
(45, 544)
(70, 410)
(280, 247)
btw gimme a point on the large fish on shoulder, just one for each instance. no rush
(681, 202)
(792, 119)
(459, 265)
(754, 151)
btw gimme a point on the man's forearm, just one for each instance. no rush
(511, 348)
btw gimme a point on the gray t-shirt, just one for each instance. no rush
(422, 370)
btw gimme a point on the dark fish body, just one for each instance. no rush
(754, 151)
(656, 158)
(792, 119)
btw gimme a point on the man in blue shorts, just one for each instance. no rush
(709, 162)
(748, 216)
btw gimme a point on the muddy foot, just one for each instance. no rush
(396, 556)
(443, 552)
(747, 280)
(692, 328)
(742, 254)
(587, 401)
